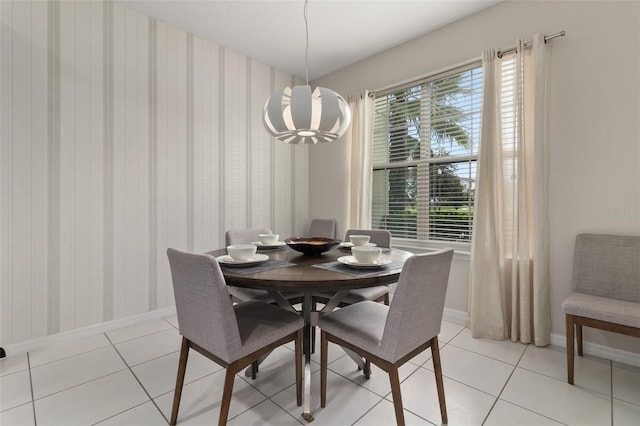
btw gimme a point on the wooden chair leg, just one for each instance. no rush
(579, 338)
(226, 394)
(298, 356)
(570, 338)
(395, 393)
(254, 370)
(182, 368)
(324, 349)
(437, 369)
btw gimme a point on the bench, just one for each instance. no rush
(606, 289)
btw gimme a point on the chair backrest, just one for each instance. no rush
(205, 311)
(244, 236)
(381, 237)
(417, 306)
(323, 228)
(607, 266)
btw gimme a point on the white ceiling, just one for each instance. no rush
(341, 32)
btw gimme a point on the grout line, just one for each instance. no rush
(80, 384)
(382, 397)
(489, 356)
(33, 401)
(292, 415)
(140, 336)
(76, 385)
(458, 381)
(611, 387)
(170, 323)
(283, 408)
(83, 352)
(516, 366)
(138, 380)
(249, 381)
(593, 391)
(240, 374)
(117, 414)
(513, 370)
(457, 334)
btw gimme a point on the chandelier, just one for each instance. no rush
(301, 115)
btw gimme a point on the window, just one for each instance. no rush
(425, 148)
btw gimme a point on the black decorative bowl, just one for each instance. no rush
(313, 246)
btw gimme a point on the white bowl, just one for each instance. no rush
(366, 254)
(268, 239)
(359, 240)
(241, 252)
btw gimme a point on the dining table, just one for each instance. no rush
(282, 269)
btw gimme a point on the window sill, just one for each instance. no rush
(461, 250)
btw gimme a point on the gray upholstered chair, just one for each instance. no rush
(323, 228)
(232, 336)
(606, 289)
(241, 294)
(381, 238)
(389, 336)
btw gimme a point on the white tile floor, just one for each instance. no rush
(126, 377)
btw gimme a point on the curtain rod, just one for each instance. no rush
(501, 53)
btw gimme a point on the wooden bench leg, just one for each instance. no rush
(570, 339)
(579, 338)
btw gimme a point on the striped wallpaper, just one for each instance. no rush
(122, 136)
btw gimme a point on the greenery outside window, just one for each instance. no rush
(425, 149)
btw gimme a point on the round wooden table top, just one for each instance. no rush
(303, 276)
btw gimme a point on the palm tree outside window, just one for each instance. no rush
(425, 146)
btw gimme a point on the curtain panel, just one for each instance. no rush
(509, 281)
(358, 141)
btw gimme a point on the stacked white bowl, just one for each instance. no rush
(268, 239)
(366, 254)
(241, 252)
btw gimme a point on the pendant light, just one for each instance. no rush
(300, 115)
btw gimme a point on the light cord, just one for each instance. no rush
(306, 51)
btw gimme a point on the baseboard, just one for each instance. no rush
(452, 315)
(455, 316)
(600, 351)
(560, 341)
(79, 333)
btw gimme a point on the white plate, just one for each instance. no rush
(347, 245)
(228, 260)
(261, 246)
(351, 261)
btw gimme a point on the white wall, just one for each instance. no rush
(594, 121)
(122, 136)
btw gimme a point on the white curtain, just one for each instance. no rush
(509, 289)
(358, 141)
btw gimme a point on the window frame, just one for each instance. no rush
(460, 246)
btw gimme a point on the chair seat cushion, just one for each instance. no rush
(260, 324)
(361, 324)
(360, 294)
(247, 294)
(241, 294)
(603, 309)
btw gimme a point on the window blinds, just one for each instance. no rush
(425, 146)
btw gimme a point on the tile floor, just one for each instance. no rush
(126, 377)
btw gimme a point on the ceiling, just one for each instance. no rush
(341, 32)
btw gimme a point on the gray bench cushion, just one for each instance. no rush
(603, 309)
(607, 266)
